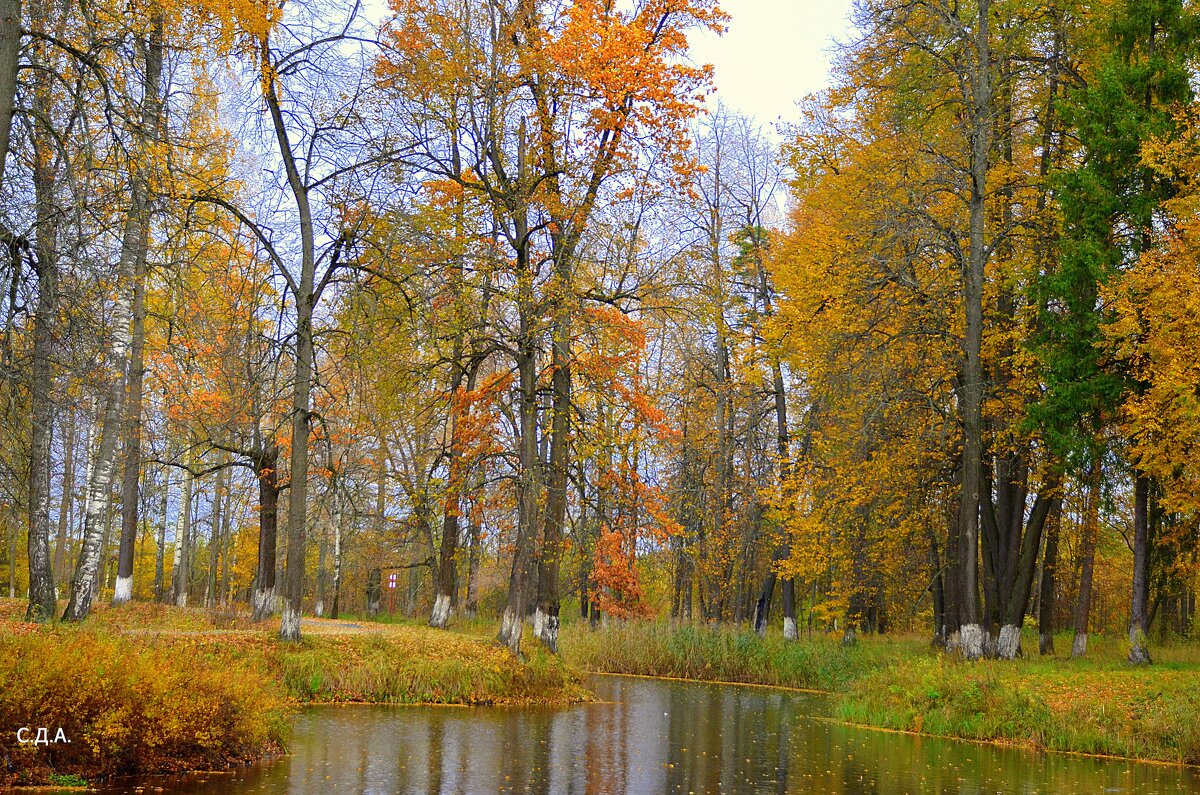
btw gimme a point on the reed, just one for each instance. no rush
(718, 653)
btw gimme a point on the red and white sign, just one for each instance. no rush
(392, 580)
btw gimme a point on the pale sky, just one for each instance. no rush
(775, 52)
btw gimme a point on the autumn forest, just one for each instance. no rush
(491, 311)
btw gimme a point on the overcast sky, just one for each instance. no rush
(775, 52)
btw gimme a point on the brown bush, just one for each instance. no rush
(129, 706)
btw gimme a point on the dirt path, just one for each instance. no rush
(308, 626)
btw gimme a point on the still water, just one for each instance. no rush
(652, 736)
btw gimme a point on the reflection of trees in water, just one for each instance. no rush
(660, 737)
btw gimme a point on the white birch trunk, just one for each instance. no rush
(99, 489)
(322, 553)
(337, 565)
(178, 547)
(183, 539)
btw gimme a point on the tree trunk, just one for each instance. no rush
(99, 489)
(289, 627)
(1091, 530)
(445, 581)
(305, 298)
(790, 630)
(68, 498)
(228, 548)
(10, 533)
(938, 592)
(374, 592)
(971, 632)
(521, 575)
(951, 588)
(106, 540)
(160, 552)
(139, 213)
(10, 50)
(782, 445)
(1049, 571)
(183, 539)
(520, 580)
(322, 579)
(178, 550)
(473, 561)
(161, 544)
(268, 523)
(337, 565)
(724, 488)
(219, 506)
(1139, 653)
(545, 619)
(762, 608)
(1021, 580)
(43, 603)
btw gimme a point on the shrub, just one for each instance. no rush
(130, 706)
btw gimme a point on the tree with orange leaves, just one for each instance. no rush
(543, 108)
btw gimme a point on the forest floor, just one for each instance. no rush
(1095, 705)
(146, 688)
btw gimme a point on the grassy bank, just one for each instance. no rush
(354, 661)
(128, 707)
(1093, 708)
(150, 689)
(411, 665)
(720, 654)
(1098, 705)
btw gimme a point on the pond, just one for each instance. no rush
(652, 736)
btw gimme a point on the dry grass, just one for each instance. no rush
(129, 707)
(150, 688)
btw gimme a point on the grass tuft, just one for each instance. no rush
(714, 653)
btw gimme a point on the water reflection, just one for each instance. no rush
(654, 737)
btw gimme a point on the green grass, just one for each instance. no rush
(1094, 707)
(724, 654)
(68, 780)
